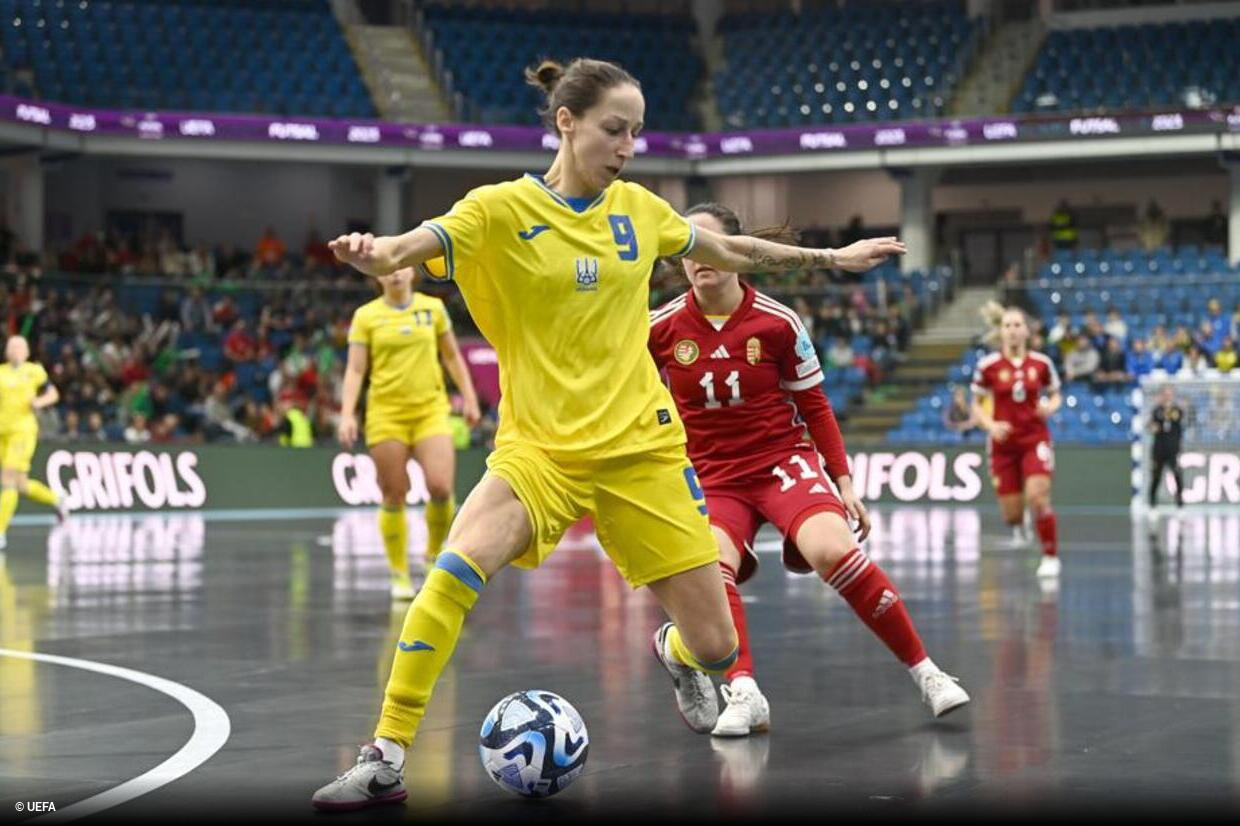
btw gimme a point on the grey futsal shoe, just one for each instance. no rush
(372, 781)
(695, 693)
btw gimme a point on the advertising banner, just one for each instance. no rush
(114, 478)
(211, 126)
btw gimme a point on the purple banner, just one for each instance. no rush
(483, 369)
(482, 138)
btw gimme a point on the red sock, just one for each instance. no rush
(865, 587)
(743, 667)
(1048, 532)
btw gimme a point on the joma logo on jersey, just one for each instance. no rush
(587, 275)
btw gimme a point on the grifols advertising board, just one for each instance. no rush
(115, 478)
(99, 477)
(124, 480)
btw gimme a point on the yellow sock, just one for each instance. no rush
(438, 520)
(8, 506)
(681, 653)
(426, 642)
(395, 532)
(41, 493)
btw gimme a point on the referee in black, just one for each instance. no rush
(1167, 422)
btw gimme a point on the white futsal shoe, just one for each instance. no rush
(746, 712)
(1019, 538)
(1049, 567)
(940, 690)
(402, 588)
(695, 693)
(372, 781)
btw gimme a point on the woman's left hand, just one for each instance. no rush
(856, 511)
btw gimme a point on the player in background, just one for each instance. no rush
(555, 270)
(1022, 460)
(401, 338)
(748, 385)
(1167, 425)
(24, 388)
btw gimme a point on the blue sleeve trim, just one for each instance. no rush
(453, 564)
(688, 247)
(446, 240)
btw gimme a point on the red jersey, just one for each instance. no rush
(1016, 388)
(740, 389)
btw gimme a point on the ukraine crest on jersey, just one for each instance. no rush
(563, 296)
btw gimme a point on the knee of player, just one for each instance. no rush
(1040, 502)
(394, 497)
(440, 490)
(824, 552)
(718, 654)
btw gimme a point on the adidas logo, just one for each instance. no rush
(720, 353)
(888, 599)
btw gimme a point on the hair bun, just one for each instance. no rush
(546, 76)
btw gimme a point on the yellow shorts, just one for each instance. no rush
(17, 449)
(649, 511)
(409, 428)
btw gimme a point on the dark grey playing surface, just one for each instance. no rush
(1119, 685)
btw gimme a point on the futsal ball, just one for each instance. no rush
(534, 743)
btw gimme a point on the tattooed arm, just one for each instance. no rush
(742, 253)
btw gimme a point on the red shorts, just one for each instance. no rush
(1011, 466)
(785, 495)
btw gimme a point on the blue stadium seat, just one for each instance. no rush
(184, 54)
(484, 49)
(1145, 67)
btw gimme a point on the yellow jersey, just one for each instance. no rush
(561, 290)
(18, 388)
(403, 345)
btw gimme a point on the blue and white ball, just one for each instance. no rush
(534, 743)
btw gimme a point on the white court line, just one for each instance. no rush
(211, 730)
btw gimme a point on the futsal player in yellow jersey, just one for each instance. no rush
(24, 388)
(555, 270)
(400, 338)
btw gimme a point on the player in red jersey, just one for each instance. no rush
(748, 386)
(1022, 460)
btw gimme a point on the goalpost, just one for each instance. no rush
(1210, 450)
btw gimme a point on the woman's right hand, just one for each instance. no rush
(346, 431)
(999, 431)
(359, 250)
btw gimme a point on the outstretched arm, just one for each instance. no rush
(743, 253)
(383, 254)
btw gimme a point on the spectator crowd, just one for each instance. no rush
(1102, 352)
(197, 366)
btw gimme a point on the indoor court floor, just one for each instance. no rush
(209, 666)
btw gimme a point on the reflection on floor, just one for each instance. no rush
(1120, 683)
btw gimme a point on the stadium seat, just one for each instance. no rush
(1146, 66)
(485, 49)
(842, 65)
(94, 43)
